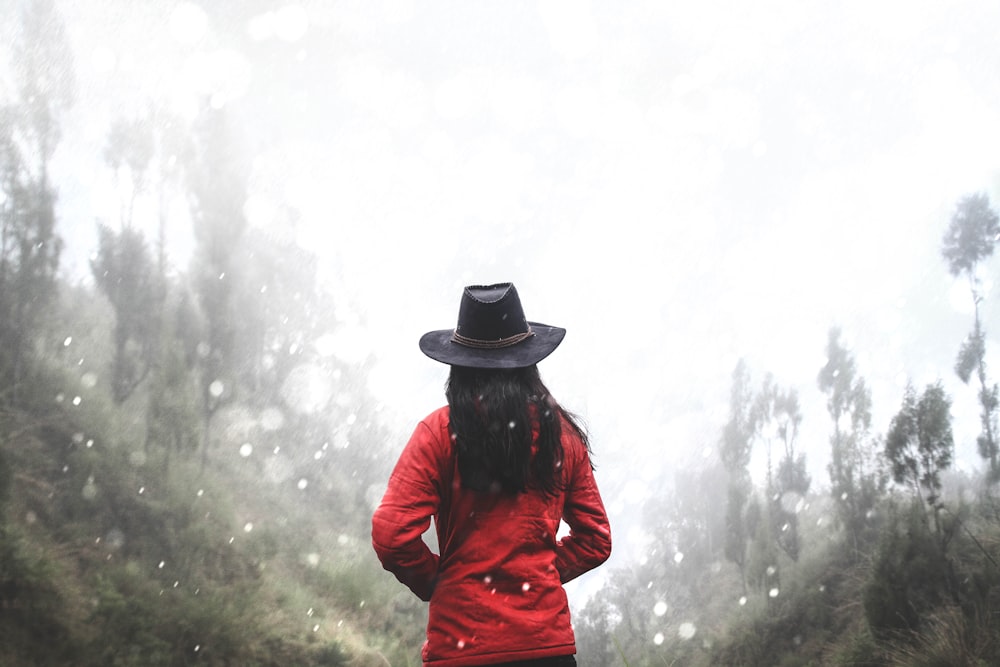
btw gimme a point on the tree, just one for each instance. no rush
(735, 451)
(855, 478)
(919, 445)
(780, 417)
(970, 239)
(123, 270)
(29, 133)
(217, 185)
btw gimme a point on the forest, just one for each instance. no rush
(189, 459)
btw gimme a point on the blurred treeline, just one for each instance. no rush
(895, 562)
(187, 467)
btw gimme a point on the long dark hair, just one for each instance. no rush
(492, 412)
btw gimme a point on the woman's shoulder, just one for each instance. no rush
(437, 418)
(436, 423)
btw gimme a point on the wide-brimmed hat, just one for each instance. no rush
(492, 332)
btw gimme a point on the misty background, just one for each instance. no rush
(683, 187)
(680, 186)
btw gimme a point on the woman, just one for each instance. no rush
(497, 468)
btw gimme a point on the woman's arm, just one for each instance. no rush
(403, 516)
(589, 541)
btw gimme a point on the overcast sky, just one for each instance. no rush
(680, 185)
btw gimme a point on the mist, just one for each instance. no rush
(684, 188)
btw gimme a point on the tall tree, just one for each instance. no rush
(919, 445)
(970, 239)
(124, 271)
(29, 133)
(217, 187)
(735, 451)
(780, 417)
(855, 476)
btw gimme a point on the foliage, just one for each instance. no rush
(919, 444)
(123, 270)
(735, 451)
(30, 248)
(856, 482)
(971, 234)
(969, 240)
(908, 575)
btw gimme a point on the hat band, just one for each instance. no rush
(491, 344)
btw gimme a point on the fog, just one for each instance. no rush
(679, 185)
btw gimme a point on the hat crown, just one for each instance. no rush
(492, 332)
(491, 313)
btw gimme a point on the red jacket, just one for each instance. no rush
(495, 590)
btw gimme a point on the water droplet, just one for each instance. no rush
(201, 492)
(68, 341)
(660, 608)
(246, 449)
(743, 601)
(162, 563)
(77, 400)
(216, 388)
(658, 638)
(247, 527)
(461, 643)
(142, 490)
(678, 557)
(686, 630)
(526, 587)
(303, 483)
(316, 628)
(773, 592)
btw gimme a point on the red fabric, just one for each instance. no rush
(496, 590)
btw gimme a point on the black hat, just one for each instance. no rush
(492, 332)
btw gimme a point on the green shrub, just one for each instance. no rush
(908, 578)
(32, 612)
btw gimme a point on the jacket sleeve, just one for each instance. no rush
(399, 522)
(589, 541)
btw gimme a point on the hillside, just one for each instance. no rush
(111, 554)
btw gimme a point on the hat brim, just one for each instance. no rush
(439, 346)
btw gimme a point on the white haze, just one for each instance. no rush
(679, 185)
